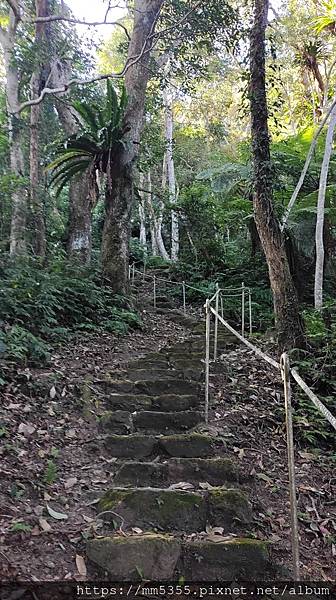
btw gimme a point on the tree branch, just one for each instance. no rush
(57, 18)
(15, 8)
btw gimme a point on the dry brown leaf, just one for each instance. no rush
(43, 523)
(26, 429)
(70, 482)
(81, 566)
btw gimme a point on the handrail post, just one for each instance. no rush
(285, 372)
(129, 272)
(133, 273)
(243, 310)
(154, 291)
(184, 296)
(216, 322)
(207, 359)
(222, 306)
(250, 312)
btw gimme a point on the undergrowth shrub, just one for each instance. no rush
(317, 366)
(39, 307)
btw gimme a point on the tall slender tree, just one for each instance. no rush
(284, 294)
(119, 194)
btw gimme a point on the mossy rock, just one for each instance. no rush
(228, 506)
(118, 422)
(192, 445)
(153, 557)
(166, 422)
(216, 471)
(225, 560)
(130, 446)
(168, 510)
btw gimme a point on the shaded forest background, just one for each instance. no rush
(155, 166)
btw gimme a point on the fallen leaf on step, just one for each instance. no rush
(81, 566)
(182, 485)
(56, 515)
(137, 530)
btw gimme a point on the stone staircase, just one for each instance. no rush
(177, 507)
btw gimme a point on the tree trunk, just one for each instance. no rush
(169, 128)
(79, 242)
(36, 83)
(119, 193)
(284, 294)
(117, 230)
(142, 215)
(18, 243)
(319, 266)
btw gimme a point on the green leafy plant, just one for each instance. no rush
(94, 147)
(20, 526)
(50, 474)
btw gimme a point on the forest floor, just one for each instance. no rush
(53, 467)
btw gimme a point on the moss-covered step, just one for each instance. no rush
(166, 422)
(130, 446)
(165, 402)
(241, 558)
(226, 506)
(175, 510)
(152, 556)
(216, 471)
(154, 388)
(166, 510)
(191, 445)
(156, 557)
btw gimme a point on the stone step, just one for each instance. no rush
(123, 422)
(156, 557)
(152, 373)
(216, 471)
(193, 445)
(176, 510)
(165, 402)
(153, 388)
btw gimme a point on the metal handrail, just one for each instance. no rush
(286, 373)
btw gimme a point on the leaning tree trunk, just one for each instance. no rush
(169, 128)
(81, 196)
(284, 294)
(319, 242)
(18, 244)
(119, 191)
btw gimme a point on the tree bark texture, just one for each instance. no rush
(18, 243)
(119, 193)
(284, 294)
(36, 83)
(142, 215)
(169, 131)
(319, 231)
